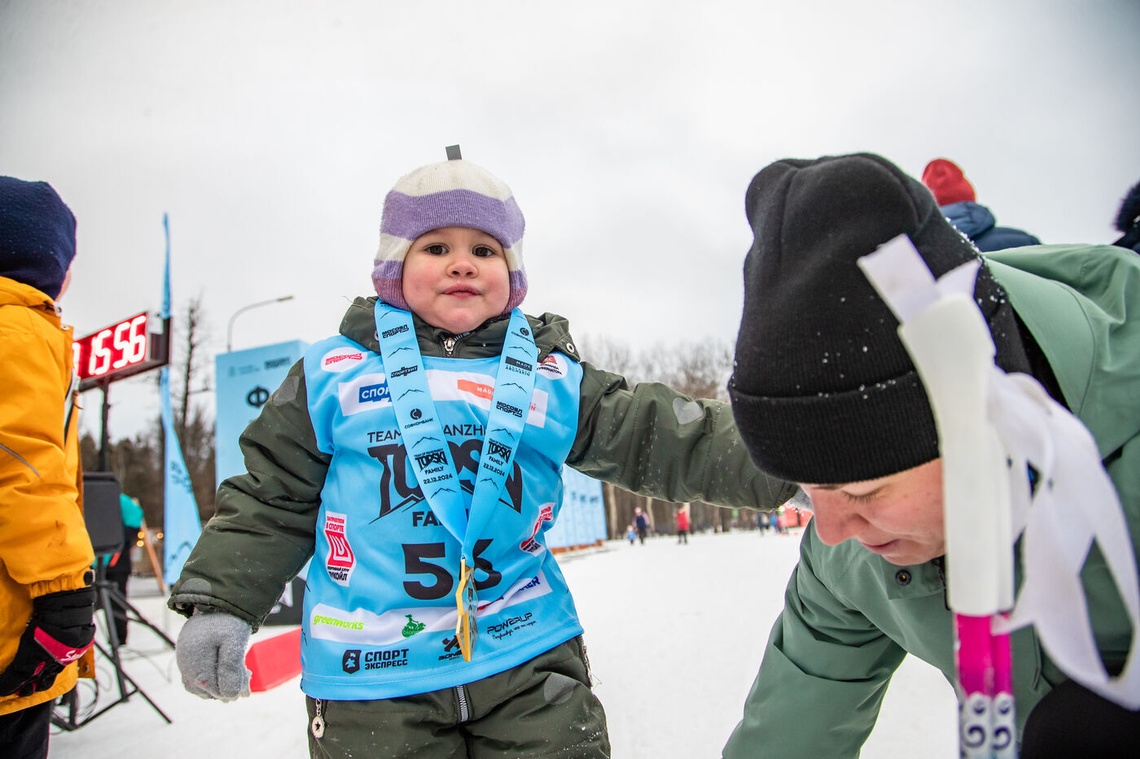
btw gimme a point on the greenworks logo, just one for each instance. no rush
(334, 622)
(414, 626)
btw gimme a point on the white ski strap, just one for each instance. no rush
(952, 349)
(1073, 505)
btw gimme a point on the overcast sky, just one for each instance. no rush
(271, 131)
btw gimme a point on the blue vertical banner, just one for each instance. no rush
(244, 380)
(582, 521)
(181, 523)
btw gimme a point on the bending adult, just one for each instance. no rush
(825, 395)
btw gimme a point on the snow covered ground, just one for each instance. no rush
(674, 632)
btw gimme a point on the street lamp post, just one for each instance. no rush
(243, 309)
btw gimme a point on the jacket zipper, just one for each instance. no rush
(318, 726)
(449, 344)
(461, 697)
(69, 403)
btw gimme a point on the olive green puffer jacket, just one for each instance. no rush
(647, 439)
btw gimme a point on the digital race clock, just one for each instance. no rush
(130, 346)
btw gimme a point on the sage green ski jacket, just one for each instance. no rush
(850, 617)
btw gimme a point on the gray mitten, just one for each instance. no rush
(211, 655)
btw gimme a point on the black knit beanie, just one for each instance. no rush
(823, 390)
(37, 235)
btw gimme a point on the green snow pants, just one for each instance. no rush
(544, 707)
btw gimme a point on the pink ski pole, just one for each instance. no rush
(952, 348)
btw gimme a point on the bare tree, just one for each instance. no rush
(699, 370)
(702, 370)
(191, 421)
(606, 353)
(138, 465)
(195, 334)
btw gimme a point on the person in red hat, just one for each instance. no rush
(955, 197)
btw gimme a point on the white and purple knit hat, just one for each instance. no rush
(453, 193)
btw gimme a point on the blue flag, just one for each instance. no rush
(166, 273)
(182, 525)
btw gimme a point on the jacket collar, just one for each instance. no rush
(13, 293)
(551, 333)
(1073, 298)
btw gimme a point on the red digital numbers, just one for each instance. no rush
(122, 349)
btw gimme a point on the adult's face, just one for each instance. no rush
(898, 517)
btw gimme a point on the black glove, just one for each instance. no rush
(60, 631)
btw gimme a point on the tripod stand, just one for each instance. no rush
(101, 512)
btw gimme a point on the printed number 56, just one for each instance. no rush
(416, 562)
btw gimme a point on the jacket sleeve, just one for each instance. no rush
(654, 441)
(263, 531)
(823, 677)
(43, 539)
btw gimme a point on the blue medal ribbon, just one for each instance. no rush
(428, 449)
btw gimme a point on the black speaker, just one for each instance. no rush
(102, 513)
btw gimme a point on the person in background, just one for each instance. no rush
(641, 522)
(416, 457)
(631, 534)
(1128, 220)
(683, 523)
(47, 601)
(825, 395)
(120, 565)
(955, 196)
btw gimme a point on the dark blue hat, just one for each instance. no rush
(37, 235)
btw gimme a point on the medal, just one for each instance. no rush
(466, 602)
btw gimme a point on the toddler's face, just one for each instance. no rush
(456, 278)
